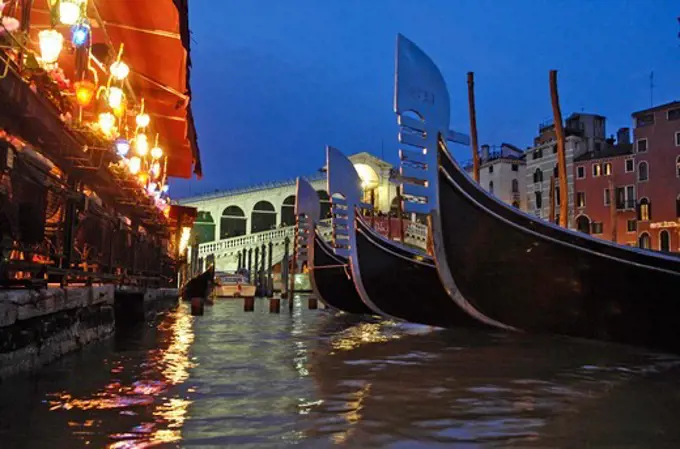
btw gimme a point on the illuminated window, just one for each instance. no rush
(607, 168)
(597, 170)
(581, 199)
(644, 241)
(644, 210)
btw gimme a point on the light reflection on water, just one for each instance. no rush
(235, 379)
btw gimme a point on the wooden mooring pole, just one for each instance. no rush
(561, 155)
(473, 126)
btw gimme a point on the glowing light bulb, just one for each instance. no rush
(115, 97)
(80, 33)
(142, 145)
(51, 42)
(155, 170)
(84, 92)
(69, 11)
(156, 152)
(119, 70)
(135, 165)
(143, 120)
(107, 123)
(122, 146)
(143, 178)
(165, 188)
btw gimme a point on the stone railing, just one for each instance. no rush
(415, 235)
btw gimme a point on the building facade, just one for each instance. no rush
(657, 163)
(597, 176)
(502, 173)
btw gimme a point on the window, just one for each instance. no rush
(554, 149)
(596, 227)
(583, 224)
(607, 168)
(644, 210)
(644, 120)
(673, 114)
(677, 139)
(580, 172)
(642, 145)
(643, 171)
(490, 186)
(664, 241)
(490, 168)
(515, 167)
(597, 170)
(644, 241)
(630, 165)
(515, 186)
(557, 195)
(538, 153)
(607, 198)
(539, 199)
(555, 170)
(538, 176)
(677, 206)
(598, 147)
(677, 166)
(632, 226)
(630, 197)
(581, 199)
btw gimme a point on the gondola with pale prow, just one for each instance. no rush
(511, 269)
(328, 273)
(399, 281)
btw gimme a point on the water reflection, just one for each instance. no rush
(315, 380)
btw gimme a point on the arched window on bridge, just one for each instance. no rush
(233, 222)
(204, 227)
(288, 211)
(325, 204)
(263, 217)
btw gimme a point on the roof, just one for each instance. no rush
(623, 149)
(657, 108)
(156, 41)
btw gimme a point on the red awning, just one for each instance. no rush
(155, 35)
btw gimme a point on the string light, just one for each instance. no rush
(156, 169)
(70, 11)
(107, 123)
(119, 70)
(84, 92)
(135, 165)
(142, 145)
(122, 146)
(115, 97)
(80, 33)
(51, 42)
(142, 120)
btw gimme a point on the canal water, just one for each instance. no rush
(315, 380)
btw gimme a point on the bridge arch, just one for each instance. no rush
(204, 227)
(288, 211)
(232, 223)
(263, 217)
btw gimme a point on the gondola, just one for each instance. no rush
(512, 269)
(399, 281)
(199, 286)
(328, 273)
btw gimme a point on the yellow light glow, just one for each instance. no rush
(143, 120)
(156, 152)
(115, 97)
(51, 42)
(135, 165)
(119, 70)
(143, 177)
(107, 123)
(184, 240)
(156, 170)
(369, 178)
(69, 11)
(142, 145)
(84, 92)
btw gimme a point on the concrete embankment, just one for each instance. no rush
(39, 326)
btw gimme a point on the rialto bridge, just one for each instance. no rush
(250, 218)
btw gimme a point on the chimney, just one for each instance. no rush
(485, 153)
(623, 136)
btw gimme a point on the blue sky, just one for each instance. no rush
(275, 81)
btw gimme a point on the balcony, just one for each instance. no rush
(625, 205)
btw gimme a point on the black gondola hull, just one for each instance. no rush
(332, 282)
(404, 284)
(199, 286)
(525, 273)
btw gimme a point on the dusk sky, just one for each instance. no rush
(274, 82)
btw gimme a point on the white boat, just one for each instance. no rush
(233, 285)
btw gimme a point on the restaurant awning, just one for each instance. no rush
(156, 43)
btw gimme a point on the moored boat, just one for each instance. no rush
(511, 269)
(200, 285)
(329, 273)
(233, 285)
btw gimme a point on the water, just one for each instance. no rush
(314, 380)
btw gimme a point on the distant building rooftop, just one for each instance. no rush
(657, 108)
(609, 152)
